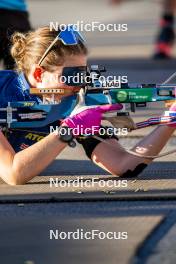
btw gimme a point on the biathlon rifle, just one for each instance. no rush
(34, 115)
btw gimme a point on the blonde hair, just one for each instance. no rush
(27, 49)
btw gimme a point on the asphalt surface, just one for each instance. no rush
(149, 226)
(145, 209)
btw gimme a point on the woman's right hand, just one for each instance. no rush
(88, 118)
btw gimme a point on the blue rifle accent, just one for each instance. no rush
(53, 112)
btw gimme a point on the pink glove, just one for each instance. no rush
(87, 119)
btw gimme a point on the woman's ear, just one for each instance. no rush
(37, 74)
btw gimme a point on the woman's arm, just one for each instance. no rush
(23, 166)
(117, 161)
(18, 168)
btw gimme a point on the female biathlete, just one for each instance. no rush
(22, 154)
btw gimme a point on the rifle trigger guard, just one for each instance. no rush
(108, 96)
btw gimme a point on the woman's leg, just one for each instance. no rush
(166, 36)
(116, 160)
(169, 6)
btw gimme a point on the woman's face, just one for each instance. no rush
(53, 79)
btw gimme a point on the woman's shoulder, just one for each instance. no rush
(10, 87)
(8, 77)
(6, 74)
(14, 87)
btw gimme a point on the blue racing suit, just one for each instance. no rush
(14, 87)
